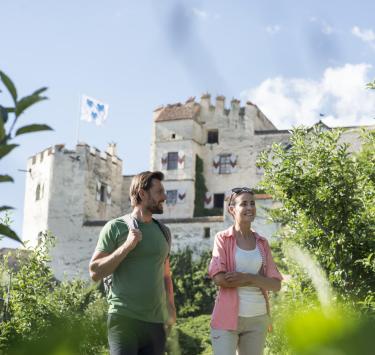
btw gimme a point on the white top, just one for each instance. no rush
(251, 299)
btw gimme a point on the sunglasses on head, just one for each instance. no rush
(237, 190)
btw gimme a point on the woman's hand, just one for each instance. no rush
(238, 278)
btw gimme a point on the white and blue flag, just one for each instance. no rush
(93, 110)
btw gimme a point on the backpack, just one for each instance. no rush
(132, 223)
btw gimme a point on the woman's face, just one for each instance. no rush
(243, 208)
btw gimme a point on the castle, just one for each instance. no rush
(204, 150)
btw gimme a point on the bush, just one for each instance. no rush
(327, 195)
(193, 336)
(47, 317)
(194, 291)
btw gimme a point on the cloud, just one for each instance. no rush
(340, 94)
(325, 28)
(273, 29)
(204, 15)
(200, 13)
(367, 36)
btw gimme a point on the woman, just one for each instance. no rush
(243, 268)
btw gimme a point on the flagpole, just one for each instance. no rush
(79, 117)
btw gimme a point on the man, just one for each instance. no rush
(141, 298)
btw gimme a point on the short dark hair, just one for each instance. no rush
(142, 181)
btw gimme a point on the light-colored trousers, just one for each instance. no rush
(248, 339)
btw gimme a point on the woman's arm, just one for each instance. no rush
(238, 279)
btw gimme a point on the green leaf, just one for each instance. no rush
(33, 128)
(39, 91)
(5, 208)
(26, 102)
(6, 148)
(7, 232)
(9, 85)
(10, 109)
(6, 178)
(3, 118)
(3, 114)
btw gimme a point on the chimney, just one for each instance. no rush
(235, 105)
(206, 101)
(112, 149)
(220, 103)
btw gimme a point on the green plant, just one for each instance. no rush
(194, 335)
(51, 317)
(327, 196)
(194, 291)
(200, 191)
(18, 108)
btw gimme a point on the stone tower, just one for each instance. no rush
(65, 190)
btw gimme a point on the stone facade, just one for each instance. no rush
(73, 193)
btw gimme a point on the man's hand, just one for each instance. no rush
(171, 315)
(134, 237)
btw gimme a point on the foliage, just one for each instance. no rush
(200, 192)
(194, 335)
(327, 196)
(371, 85)
(20, 105)
(193, 289)
(48, 317)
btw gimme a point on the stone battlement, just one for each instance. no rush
(192, 109)
(109, 155)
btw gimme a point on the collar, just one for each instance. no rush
(229, 233)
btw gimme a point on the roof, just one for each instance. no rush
(189, 110)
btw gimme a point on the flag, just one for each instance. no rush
(93, 110)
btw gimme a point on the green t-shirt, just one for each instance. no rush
(138, 289)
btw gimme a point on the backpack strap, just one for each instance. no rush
(131, 223)
(166, 232)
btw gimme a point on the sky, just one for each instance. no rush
(294, 59)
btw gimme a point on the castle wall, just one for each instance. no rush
(36, 207)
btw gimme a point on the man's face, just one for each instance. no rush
(155, 197)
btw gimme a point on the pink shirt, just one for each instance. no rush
(225, 313)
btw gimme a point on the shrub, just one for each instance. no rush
(194, 291)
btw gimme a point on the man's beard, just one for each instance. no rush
(155, 208)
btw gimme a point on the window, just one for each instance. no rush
(103, 194)
(218, 200)
(213, 136)
(224, 164)
(206, 234)
(172, 161)
(173, 135)
(38, 193)
(171, 197)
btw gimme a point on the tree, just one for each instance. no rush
(18, 108)
(327, 196)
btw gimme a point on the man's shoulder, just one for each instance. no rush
(117, 223)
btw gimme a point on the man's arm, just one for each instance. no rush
(169, 291)
(103, 264)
